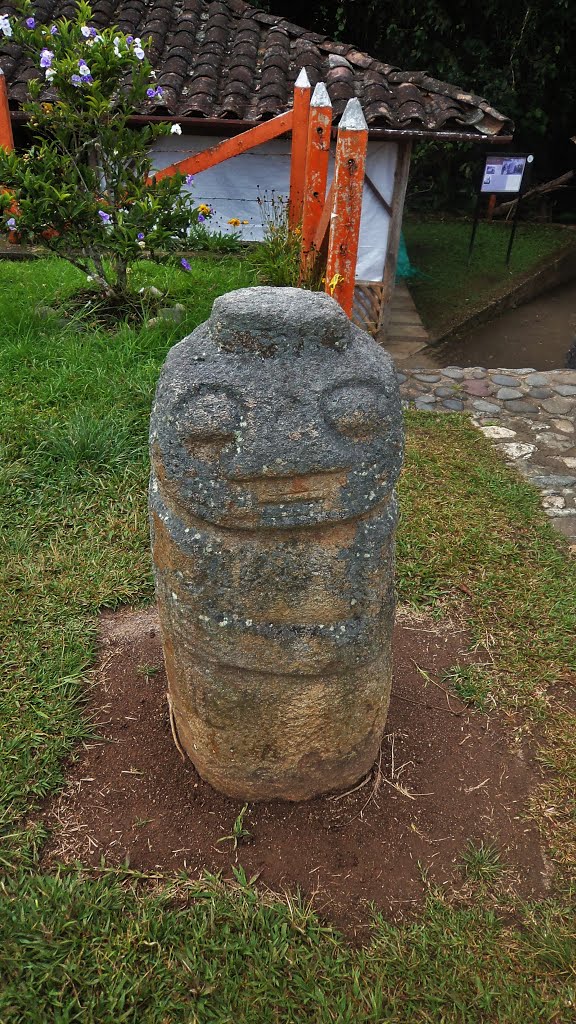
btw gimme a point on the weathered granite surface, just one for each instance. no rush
(529, 415)
(276, 441)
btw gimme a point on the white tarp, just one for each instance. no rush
(233, 187)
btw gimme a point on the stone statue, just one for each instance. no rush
(276, 440)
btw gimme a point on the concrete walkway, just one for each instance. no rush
(529, 415)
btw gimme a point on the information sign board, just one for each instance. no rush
(503, 174)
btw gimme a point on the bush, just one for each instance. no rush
(81, 189)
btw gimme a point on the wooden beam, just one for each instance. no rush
(377, 193)
(301, 112)
(6, 136)
(324, 222)
(317, 159)
(229, 147)
(345, 221)
(394, 230)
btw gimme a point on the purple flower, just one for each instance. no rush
(140, 237)
(201, 218)
(150, 92)
(189, 179)
(53, 30)
(105, 217)
(87, 79)
(76, 81)
(30, 23)
(184, 263)
(46, 58)
(11, 223)
(129, 39)
(88, 32)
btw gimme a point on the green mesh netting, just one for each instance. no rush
(403, 266)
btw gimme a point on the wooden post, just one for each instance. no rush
(394, 231)
(6, 137)
(301, 112)
(228, 148)
(345, 220)
(317, 160)
(491, 207)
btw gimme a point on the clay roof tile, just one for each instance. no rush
(225, 58)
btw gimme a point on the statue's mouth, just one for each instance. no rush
(276, 490)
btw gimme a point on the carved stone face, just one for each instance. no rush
(271, 421)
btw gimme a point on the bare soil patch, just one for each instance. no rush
(447, 775)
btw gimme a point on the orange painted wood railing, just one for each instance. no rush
(229, 147)
(349, 171)
(317, 159)
(301, 110)
(6, 141)
(6, 137)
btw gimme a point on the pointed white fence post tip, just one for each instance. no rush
(302, 82)
(353, 117)
(320, 97)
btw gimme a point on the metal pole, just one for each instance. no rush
(513, 232)
(474, 227)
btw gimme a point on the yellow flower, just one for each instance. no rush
(204, 210)
(334, 282)
(234, 221)
(245, 221)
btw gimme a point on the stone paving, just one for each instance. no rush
(529, 415)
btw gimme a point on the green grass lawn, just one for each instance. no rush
(108, 946)
(451, 289)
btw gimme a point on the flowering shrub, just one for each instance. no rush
(277, 258)
(81, 188)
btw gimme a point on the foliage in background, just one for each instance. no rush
(81, 188)
(519, 56)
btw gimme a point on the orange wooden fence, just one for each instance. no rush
(317, 158)
(347, 206)
(6, 137)
(310, 121)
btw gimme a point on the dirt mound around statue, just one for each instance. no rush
(446, 776)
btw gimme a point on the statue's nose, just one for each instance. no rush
(286, 445)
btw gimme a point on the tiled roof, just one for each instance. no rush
(228, 60)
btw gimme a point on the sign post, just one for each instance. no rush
(504, 174)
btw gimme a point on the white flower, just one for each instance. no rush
(89, 277)
(50, 73)
(139, 52)
(176, 129)
(5, 26)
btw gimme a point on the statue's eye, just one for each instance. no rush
(357, 411)
(211, 415)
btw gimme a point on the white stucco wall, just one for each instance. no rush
(233, 187)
